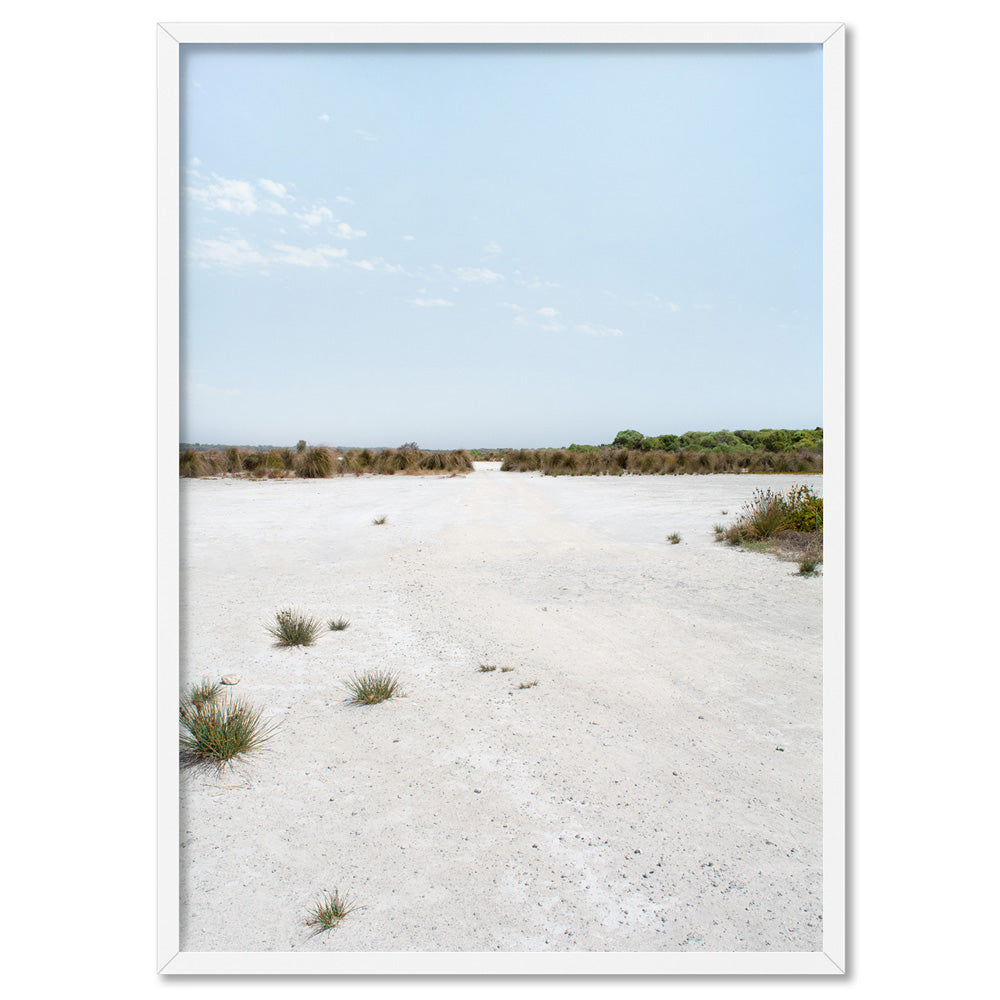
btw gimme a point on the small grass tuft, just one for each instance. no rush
(206, 691)
(485, 668)
(373, 686)
(528, 684)
(330, 910)
(809, 563)
(338, 624)
(674, 539)
(379, 520)
(217, 732)
(506, 670)
(720, 532)
(292, 628)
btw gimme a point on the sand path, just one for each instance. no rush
(658, 789)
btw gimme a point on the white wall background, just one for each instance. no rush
(79, 413)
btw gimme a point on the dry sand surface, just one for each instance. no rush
(658, 789)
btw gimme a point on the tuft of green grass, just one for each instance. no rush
(379, 520)
(674, 539)
(292, 628)
(720, 532)
(331, 909)
(338, 624)
(485, 668)
(529, 684)
(220, 731)
(206, 691)
(373, 686)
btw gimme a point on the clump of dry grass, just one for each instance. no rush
(220, 731)
(330, 910)
(206, 691)
(292, 628)
(317, 463)
(374, 686)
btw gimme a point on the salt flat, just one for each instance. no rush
(658, 789)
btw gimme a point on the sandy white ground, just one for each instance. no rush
(659, 789)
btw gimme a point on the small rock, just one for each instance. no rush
(230, 679)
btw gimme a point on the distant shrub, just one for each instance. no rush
(380, 520)
(317, 463)
(300, 447)
(803, 509)
(192, 465)
(627, 439)
(674, 539)
(485, 668)
(529, 684)
(338, 624)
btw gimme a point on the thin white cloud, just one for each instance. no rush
(324, 118)
(227, 195)
(194, 161)
(316, 215)
(511, 305)
(479, 275)
(379, 264)
(548, 311)
(409, 237)
(427, 303)
(344, 198)
(550, 325)
(345, 231)
(492, 247)
(595, 330)
(319, 256)
(230, 253)
(537, 283)
(273, 187)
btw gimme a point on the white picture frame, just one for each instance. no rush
(832, 959)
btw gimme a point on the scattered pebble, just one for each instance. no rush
(230, 679)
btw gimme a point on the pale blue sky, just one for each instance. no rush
(487, 246)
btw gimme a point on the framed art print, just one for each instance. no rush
(501, 587)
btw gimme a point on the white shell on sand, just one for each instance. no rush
(230, 679)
